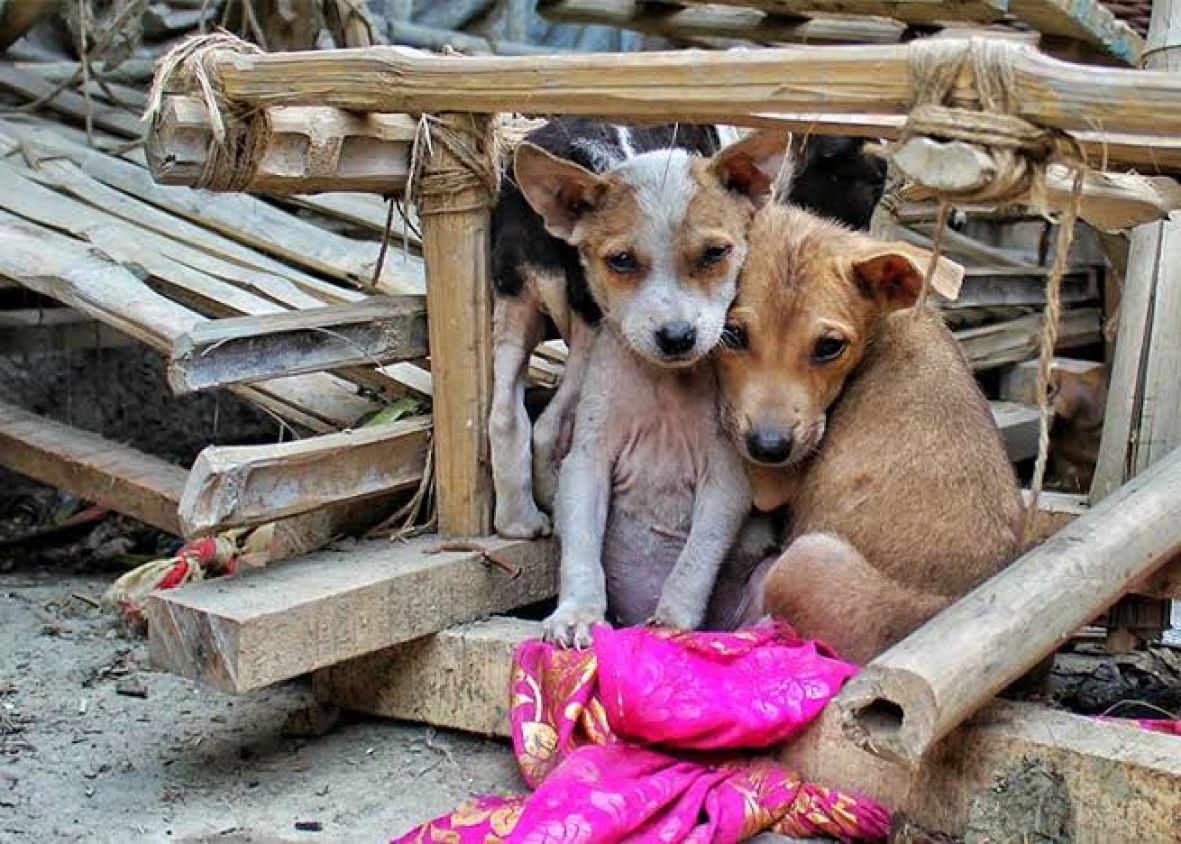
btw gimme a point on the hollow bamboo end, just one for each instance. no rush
(891, 714)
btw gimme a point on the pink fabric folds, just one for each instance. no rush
(636, 740)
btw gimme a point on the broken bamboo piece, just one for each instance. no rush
(242, 350)
(237, 486)
(919, 690)
(306, 150)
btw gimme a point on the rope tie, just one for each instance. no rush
(240, 134)
(1013, 156)
(471, 166)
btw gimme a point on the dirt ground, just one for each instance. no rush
(95, 746)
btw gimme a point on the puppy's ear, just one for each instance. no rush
(560, 191)
(895, 273)
(751, 165)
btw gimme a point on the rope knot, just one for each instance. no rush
(964, 140)
(239, 135)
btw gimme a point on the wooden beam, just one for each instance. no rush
(675, 21)
(459, 679)
(919, 690)
(308, 149)
(91, 467)
(242, 350)
(1089, 755)
(994, 345)
(269, 625)
(730, 87)
(455, 243)
(236, 486)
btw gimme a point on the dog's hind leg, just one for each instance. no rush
(826, 590)
(518, 326)
(553, 429)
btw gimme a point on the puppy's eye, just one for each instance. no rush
(828, 349)
(713, 255)
(734, 337)
(623, 262)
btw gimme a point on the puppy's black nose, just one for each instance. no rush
(676, 338)
(768, 446)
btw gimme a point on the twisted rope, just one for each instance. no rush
(1021, 153)
(240, 135)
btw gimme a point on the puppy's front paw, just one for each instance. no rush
(570, 625)
(525, 523)
(675, 614)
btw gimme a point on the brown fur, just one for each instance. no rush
(906, 500)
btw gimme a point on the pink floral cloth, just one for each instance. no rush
(642, 739)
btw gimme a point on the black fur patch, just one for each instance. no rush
(837, 179)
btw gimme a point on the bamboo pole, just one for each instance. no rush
(922, 688)
(306, 150)
(729, 87)
(455, 238)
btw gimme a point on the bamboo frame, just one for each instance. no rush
(739, 87)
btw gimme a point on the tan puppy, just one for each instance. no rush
(869, 424)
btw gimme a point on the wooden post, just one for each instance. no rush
(1143, 416)
(922, 688)
(455, 232)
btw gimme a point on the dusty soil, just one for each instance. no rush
(95, 746)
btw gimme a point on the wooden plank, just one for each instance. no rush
(455, 244)
(675, 21)
(254, 348)
(1082, 20)
(269, 625)
(909, 697)
(1018, 424)
(237, 486)
(459, 679)
(69, 272)
(729, 87)
(991, 346)
(92, 467)
(247, 220)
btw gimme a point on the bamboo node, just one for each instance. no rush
(240, 135)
